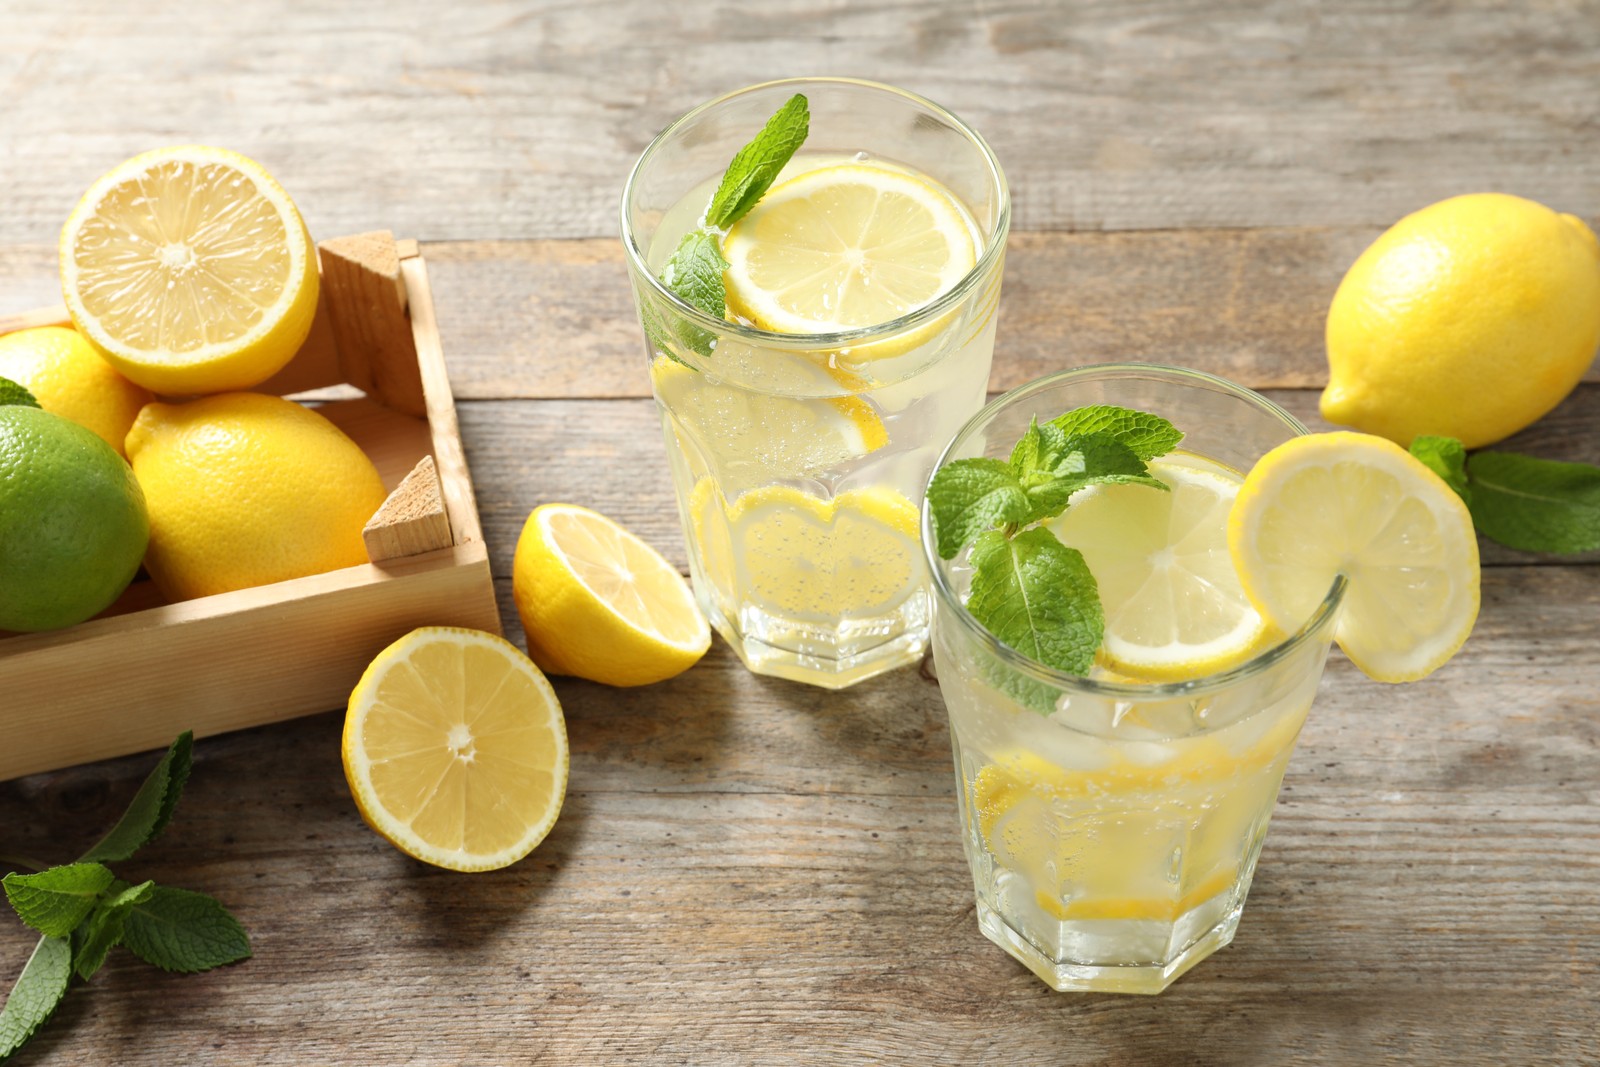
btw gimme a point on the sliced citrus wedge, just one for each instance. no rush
(844, 247)
(1173, 605)
(802, 557)
(190, 270)
(1328, 504)
(456, 750)
(599, 603)
(767, 433)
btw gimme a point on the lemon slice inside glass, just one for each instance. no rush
(846, 247)
(1347, 503)
(455, 749)
(1174, 607)
(190, 270)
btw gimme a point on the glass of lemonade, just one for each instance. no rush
(801, 426)
(1112, 825)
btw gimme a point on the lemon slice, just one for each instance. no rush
(845, 247)
(1173, 604)
(190, 270)
(766, 433)
(807, 559)
(599, 603)
(456, 750)
(1347, 503)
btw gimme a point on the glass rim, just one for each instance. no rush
(948, 600)
(946, 301)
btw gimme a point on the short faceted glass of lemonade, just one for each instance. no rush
(1112, 826)
(801, 426)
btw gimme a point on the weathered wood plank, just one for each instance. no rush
(750, 871)
(523, 455)
(522, 119)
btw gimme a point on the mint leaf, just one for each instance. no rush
(151, 808)
(55, 901)
(1037, 595)
(177, 930)
(1446, 457)
(102, 931)
(1147, 435)
(33, 999)
(967, 496)
(695, 273)
(1066, 464)
(1536, 505)
(755, 166)
(12, 394)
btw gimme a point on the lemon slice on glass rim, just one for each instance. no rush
(1360, 506)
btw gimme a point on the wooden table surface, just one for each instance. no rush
(751, 871)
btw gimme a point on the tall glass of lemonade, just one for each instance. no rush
(1112, 822)
(802, 422)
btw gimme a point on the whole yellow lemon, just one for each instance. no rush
(1471, 318)
(68, 377)
(245, 489)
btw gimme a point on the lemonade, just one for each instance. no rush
(1112, 822)
(858, 329)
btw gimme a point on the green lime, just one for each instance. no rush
(73, 526)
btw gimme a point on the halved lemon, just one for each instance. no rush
(767, 433)
(1348, 503)
(190, 270)
(804, 558)
(598, 603)
(1173, 605)
(845, 247)
(455, 749)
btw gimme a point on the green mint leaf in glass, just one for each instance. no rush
(755, 166)
(1535, 505)
(177, 930)
(695, 273)
(1447, 458)
(1147, 435)
(1076, 462)
(1037, 595)
(34, 997)
(968, 496)
(151, 808)
(102, 931)
(55, 901)
(13, 394)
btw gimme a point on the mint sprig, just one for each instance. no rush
(1526, 503)
(695, 271)
(1028, 589)
(84, 911)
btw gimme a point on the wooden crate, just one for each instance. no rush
(135, 676)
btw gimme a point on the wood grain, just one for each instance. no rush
(520, 119)
(750, 871)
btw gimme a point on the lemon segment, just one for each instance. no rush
(455, 749)
(807, 559)
(1173, 605)
(190, 270)
(846, 247)
(599, 603)
(1345, 503)
(770, 434)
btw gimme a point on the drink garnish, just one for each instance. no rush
(1535, 505)
(695, 270)
(1028, 589)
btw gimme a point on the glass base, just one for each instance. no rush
(784, 650)
(1069, 976)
